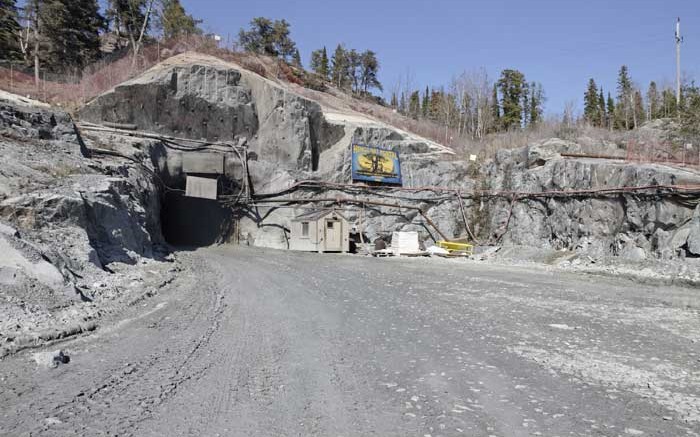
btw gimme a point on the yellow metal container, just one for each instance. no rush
(452, 247)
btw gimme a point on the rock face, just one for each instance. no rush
(631, 225)
(67, 222)
(211, 100)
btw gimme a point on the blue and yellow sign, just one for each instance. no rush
(374, 164)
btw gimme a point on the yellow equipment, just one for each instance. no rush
(456, 248)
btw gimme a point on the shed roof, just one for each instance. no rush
(315, 215)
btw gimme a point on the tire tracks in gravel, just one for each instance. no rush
(128, 395)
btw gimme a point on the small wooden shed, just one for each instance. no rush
(320, 231)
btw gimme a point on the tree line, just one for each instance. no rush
(631, 107)
(65, 35)
(473, 105)
(347, 69)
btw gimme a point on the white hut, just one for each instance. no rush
(320, 231)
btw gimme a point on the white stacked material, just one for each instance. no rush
(405, 243)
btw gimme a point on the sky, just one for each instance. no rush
(559, 43)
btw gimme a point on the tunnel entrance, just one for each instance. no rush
(194, 222)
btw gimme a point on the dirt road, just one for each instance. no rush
(267, 343)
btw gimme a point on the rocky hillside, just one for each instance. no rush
(78, 236)
(293, 138)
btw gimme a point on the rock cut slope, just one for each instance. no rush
(202, 97)
(291, 138)
(78, 236)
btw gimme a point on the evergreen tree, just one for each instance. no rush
(403, 105)
(394, 101)
(324, 69)
(174, 20)
(511, 85)
(526, 104)
(414, 105)
(340, 63)
(625, 99)
(353, 71)
(71, 30)
(268, 37)
(426, 102)
(9, 30)
(537, 99)
(653, 103)
(670, 104)
(435, 104)
(611, 111)
(369, 70)
(638, 113)
(495, 109)
(690, 112)
(296, 59)
(591, 108)
(127, 18)
(319, 62)
(601, 109)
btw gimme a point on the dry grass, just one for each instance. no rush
(73, 91)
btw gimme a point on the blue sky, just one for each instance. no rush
(560, 43)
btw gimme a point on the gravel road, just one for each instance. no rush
(255, 342)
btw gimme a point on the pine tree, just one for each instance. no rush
(339, 75)
(435, 104)
(653, 104)
(353, 73)
(511, 85)
(71, 28)
(174, 20)
(369, 71)
(625, 99)
(128, 17)
(601, 109)
(611, 111)
(537, 99)
(591, 109)
(495, 109)
(670, 105)
(324, 69)
(638, 108)
(690, 112)
(317, 63)
(296, 59)
(414, 105)
(426, 102)
(403, 105)
(9, 30)
(394, 100)
(526, 104)
(268, 37)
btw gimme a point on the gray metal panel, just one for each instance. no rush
(204, 188)
(205, 163)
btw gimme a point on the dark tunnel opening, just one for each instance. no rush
(194, 222)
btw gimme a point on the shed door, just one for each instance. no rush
(334, 237)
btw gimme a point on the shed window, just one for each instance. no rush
(330, 225)
(304, 229)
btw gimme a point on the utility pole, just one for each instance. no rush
(679, 40)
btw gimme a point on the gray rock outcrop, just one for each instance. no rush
(67, 222)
